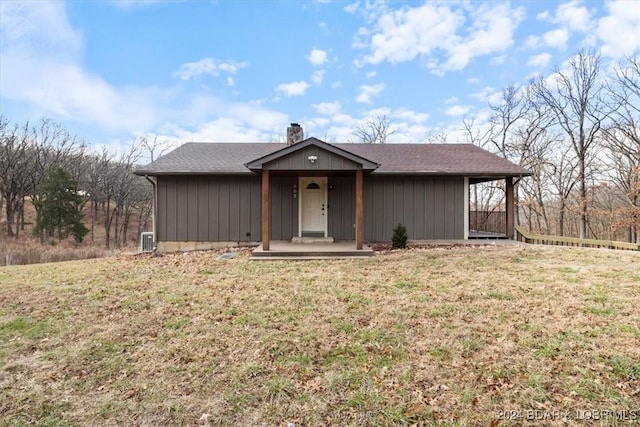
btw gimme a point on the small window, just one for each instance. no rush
(313, 186)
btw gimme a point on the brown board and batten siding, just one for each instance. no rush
(284, 208)
(431, 207)
(299, 160)
(342, 208)
(208, 208)
(225, 208)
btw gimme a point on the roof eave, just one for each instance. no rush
(456, 173)
(168, 173)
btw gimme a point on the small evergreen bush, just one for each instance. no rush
(400, 237)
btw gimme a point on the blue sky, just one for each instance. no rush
(242, 70)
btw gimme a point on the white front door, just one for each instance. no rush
(313, 201)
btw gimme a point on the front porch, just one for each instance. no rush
(283, 249)
(321, 212)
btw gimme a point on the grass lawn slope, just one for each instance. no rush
(462, 336)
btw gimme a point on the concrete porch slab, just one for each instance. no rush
(281, 249)
(308, 240)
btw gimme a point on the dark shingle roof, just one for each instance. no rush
(434, 159)
(208, 158)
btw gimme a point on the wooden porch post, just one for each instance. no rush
(510, 207)
(265, 210)
(359, 225)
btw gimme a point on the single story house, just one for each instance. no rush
(211, 194)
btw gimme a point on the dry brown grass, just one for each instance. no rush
(25, 249)
(426, 337)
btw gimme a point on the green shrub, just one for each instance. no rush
(400, 237)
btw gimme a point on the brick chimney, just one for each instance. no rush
(294, 134)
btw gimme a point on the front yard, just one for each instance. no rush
(460, 336)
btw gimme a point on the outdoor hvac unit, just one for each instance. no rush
(146, 241)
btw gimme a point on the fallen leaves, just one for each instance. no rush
(412, 337)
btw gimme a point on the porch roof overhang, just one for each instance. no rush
(480, 178)
(277, 160)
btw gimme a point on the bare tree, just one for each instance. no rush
(521, 131)
(122, 183)
(484, 197)
(564, 178)
(154, 148)
(14, 170)
(622, 140)
(577, 100)
(506, 115)
(374, 130)
(94, 183)
(433, 137)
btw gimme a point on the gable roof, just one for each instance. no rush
(428, 159)
(283, 152)
(437, 159)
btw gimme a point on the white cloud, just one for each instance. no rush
(377, 112)
(317, 77)
(293, 88)
(37, 36)
(574, 16)
(540, 61)
(40, 29)
(371, 74)
(344, 119)
(434, 30)
(351, 8)
(328, 108)
(457, 110)
(311, 125)
(317, 57)
(532, 42)
(487, 95)
(617, 29)
(404, 34)
(128, 4)
(226, 129)
(498, 60)
(543, 16)
(338, 126)
(207, 66)
(491, 32)
(556, 38)
(571, 15)
(368, 91)
(360, 39)
(409, 115)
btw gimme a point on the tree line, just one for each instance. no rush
(108, 193)
(578, 130)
